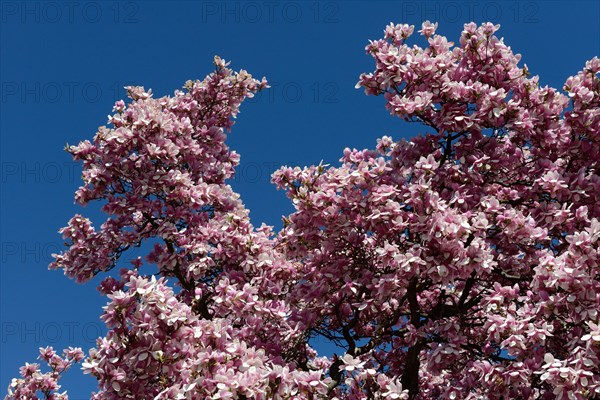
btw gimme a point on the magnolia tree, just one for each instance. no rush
(462, 264)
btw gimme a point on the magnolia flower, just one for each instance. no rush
(351, 363)
(395, 391)
(428, 29)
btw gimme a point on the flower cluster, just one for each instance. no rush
(460, 261)
(33, 381)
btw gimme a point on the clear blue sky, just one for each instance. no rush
(64, 63)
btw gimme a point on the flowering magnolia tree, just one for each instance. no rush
(462, 264)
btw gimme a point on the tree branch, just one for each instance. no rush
(410, 376)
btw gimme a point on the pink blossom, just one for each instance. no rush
(428, 29)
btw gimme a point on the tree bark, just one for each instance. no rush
(410, 376)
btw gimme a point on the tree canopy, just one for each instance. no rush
(460, 264)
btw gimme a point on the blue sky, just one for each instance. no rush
(63, 64)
